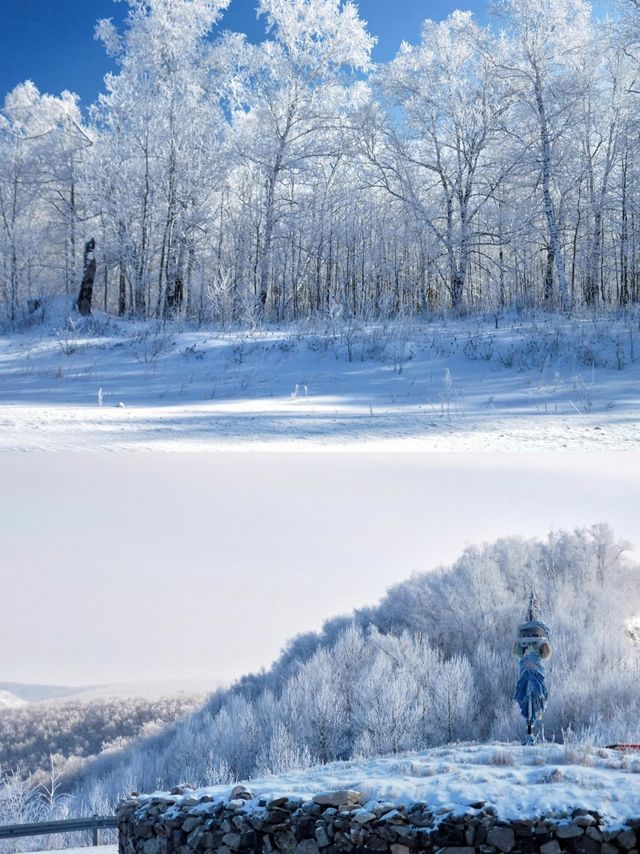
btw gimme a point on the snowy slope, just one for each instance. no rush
(545, 780)
(543, 383)
(10, 701)
(101, 849)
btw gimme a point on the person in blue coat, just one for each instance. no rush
(533, 648)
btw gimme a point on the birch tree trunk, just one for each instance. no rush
(549, 211)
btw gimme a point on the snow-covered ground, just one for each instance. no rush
(542, 781)
(542, 383)
(101, 849)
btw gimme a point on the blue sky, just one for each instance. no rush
(51, 41)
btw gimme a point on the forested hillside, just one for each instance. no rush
(221, 180)
(430, 664)
(32, 736)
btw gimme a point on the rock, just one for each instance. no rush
(586, 845)
(382, 807)
(143, 830)
(305, 827)
(240, 822)
(568, 831)
(190, 823)
(393, 817)
(502, 838)
(154, 846)
(277, 816)
(232, 840)
(241, 793)
(274, 803)
(375, 843)
(584, 820)
(608, 848)
(248, 839)
(286, 841)
(363, 817)
(595, 834)
(322, 837)
(448, 836)
(456, 850)
(400, 849)
(309, 808)
(626, 840)
(308, 846)
(195, 839)
(388, 832)
(552, 847)
(405, 831)
(523, 827)
(341, 797)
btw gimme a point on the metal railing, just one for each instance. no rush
(95, 824)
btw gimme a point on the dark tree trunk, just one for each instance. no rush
(548, 276)
(122, 294)
(457, 290)
(174, 293)
(88, 275)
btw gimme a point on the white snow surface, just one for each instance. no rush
(544, 383)
(10, 701)
(102, 849)
(547, 780)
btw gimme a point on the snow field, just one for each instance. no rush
(543, 383)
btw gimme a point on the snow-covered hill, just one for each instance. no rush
(9, 700)
(544, 780)
(508, 383)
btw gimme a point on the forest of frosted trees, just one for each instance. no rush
(66, 731)
(481, 168)
(430, 664)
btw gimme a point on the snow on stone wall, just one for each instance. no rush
(182, 823)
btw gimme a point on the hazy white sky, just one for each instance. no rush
(146, 567)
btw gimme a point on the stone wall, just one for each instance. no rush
(184, 822)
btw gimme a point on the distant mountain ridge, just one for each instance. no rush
(17, 693)
(34, 693)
